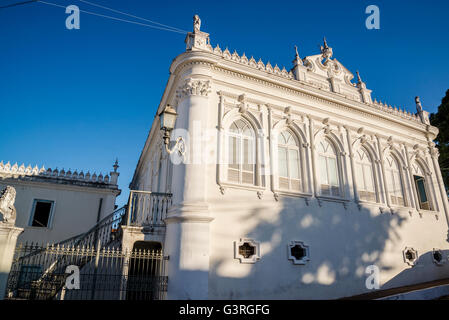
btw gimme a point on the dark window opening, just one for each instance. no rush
(246, 250)
(422, 194)
(410, 255)
(437, 256)
(28, 274)
(298, 252)
(41, 215)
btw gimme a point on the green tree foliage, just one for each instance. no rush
(441, 121)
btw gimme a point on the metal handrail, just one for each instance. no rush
(78, 238)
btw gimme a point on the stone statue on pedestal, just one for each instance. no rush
(196, 23)
(7, 209)
(418, 105)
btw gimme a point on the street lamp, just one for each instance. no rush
(168, 119)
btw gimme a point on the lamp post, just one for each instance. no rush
(168, 119)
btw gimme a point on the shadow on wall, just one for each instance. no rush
(343, 243)
(418, 270)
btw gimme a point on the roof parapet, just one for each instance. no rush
(21, 170)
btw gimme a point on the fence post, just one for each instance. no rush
(8, 239)
(97, 260)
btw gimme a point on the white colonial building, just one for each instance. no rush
(288, 184)
(54, 205)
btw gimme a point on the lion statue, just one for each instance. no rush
(7, 209)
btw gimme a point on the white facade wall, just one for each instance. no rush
(75, 205)
(210, 89)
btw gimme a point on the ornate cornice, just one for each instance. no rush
(391, 117)
(284, 74)
(192, 87)
(7, 171)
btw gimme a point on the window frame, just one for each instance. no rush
(359, 162)
(418, 171)
(300, 161)
(50, 215)
(389, 170)
(240, 144)
(338, 170)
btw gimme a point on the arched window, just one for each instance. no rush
(328, 169)
(241, 153)
(288, 162)
(364, 175)
(394, 181)
(421, 187)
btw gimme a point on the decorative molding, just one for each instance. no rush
(326, 101)
(35, 173)
(192, 87)
(410, 256)
(245, 242)
(298, 252)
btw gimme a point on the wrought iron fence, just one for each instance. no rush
(104, 273)
(148, 208)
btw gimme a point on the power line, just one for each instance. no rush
(17, 4)
(133, 16)
(113, 18)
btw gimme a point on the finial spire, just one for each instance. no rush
(359, 80)
(326, 51)
(115, 166)
(325, 43)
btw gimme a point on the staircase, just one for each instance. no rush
(143, 209)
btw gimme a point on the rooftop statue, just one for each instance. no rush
(418, 105)
(196, 23)
(326, 51)
(7, 209)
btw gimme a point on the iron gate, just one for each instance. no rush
(47, 272)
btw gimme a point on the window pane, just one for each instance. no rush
(233, 175)
(390, 183)
(368, 174)
(397, 184)
(233, 152)
(333, 174)
(359, 176)
(294, 163)
(421, 190)
(281, 139)
(322, 167)
(283, 172)
(283, 183)
(247, 131)
(248, 155)
(41, 215)
(234, 128)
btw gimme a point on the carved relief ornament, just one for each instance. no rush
(193, 87)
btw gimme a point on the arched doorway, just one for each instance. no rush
(145, 273)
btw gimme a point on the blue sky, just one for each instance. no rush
(80, 98)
